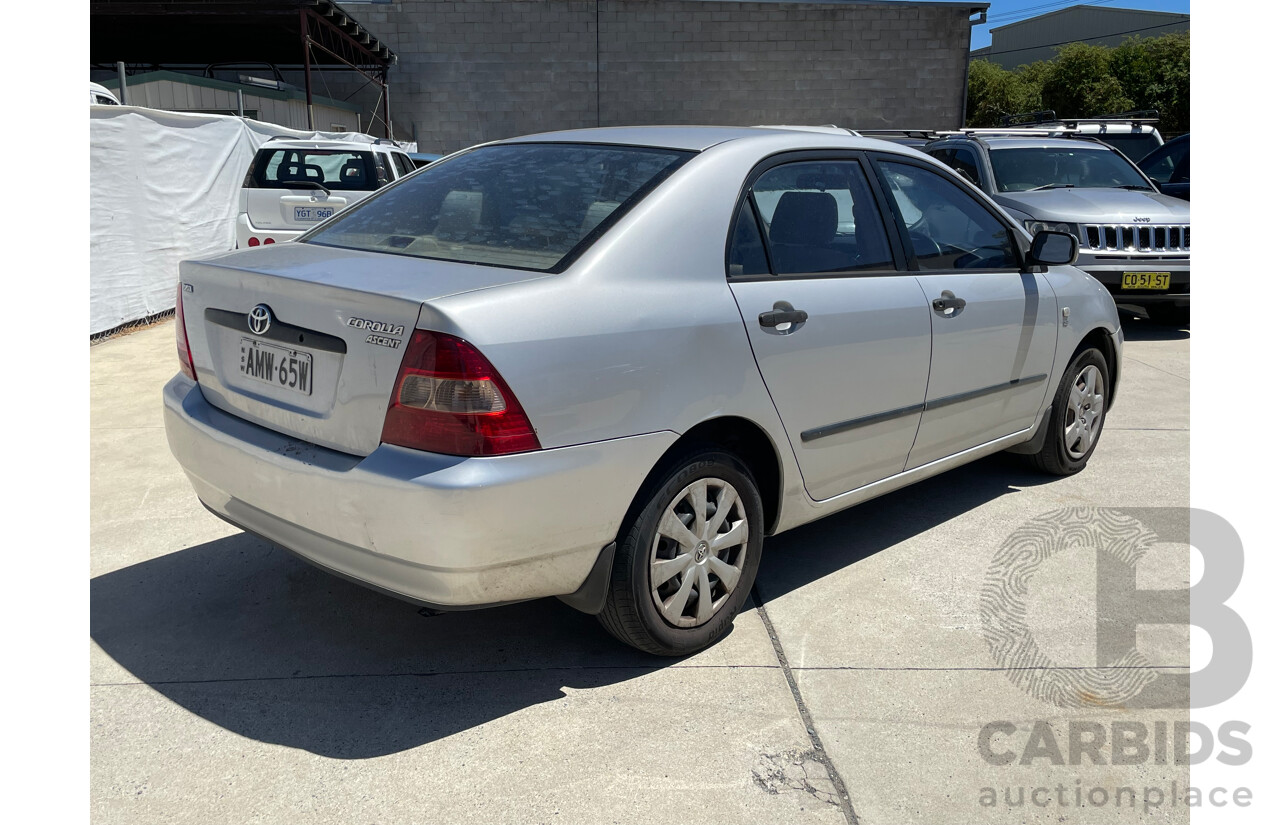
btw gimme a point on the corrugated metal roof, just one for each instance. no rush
(212, 31)
(214, 83)
(1101, 11)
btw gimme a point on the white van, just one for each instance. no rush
(294, 184)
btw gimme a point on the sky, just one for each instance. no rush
(1003, 12)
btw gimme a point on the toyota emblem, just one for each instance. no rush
(260, 319)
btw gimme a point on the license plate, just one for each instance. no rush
(311, 214)
(1145, 280)
(278, 366)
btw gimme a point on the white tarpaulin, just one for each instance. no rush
(164, 187)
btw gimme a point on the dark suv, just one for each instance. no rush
(1133, 239)
(1170, 167)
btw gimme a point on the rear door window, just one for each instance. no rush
(335, 169)
(821, 217)
(746, 248)
(403, 165)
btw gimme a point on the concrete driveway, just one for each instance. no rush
(231, 683)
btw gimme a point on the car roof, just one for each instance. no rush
(318, 144)
(698, 138)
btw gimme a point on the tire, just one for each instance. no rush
(1076, 425)
(1170, 315)
(664, 530)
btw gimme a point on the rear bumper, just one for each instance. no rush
(440, 530)
(1111, 275)
(246, 230)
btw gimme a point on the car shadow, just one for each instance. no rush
(248, 637)
(815, 550)
(258, 642)
(1137, 328)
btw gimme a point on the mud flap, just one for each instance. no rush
(1037, 441)
(589, 598)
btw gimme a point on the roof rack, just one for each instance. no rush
(1136, 116)
(995, 131)
(926, 134)
(1029, 118)
(1142, 117)
(1017, 131)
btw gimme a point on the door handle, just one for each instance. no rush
(783, 319)
(948, 305)
(777, 316)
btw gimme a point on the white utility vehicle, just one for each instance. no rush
(294, 184)
(100, 95)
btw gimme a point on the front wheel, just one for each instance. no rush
(1076, 418)
(687, 560)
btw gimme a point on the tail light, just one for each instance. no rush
(449, 399)
(253, 242)
(268, 240)
(180, 332)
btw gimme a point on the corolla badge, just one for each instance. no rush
(260, 319)
(385, 327)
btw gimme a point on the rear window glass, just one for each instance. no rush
(293, 168)
(527, 206)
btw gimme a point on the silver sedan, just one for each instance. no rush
(604, 365)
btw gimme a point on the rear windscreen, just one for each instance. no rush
(295, 168)
(527, 206)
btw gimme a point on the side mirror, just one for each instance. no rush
(1054, 248)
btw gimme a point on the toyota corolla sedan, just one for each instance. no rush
(604, 365)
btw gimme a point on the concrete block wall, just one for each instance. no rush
(482, 70)
(854, 65)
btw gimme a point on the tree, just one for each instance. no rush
(995, 92)
(1156, 73)
(1084, 81)
(1079, 83)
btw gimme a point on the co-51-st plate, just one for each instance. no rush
(279, 366)
(1145, 280)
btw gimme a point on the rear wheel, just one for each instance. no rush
(1076, 418)
(687, 560)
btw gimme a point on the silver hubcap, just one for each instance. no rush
(698, 553)
(1084, 412)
